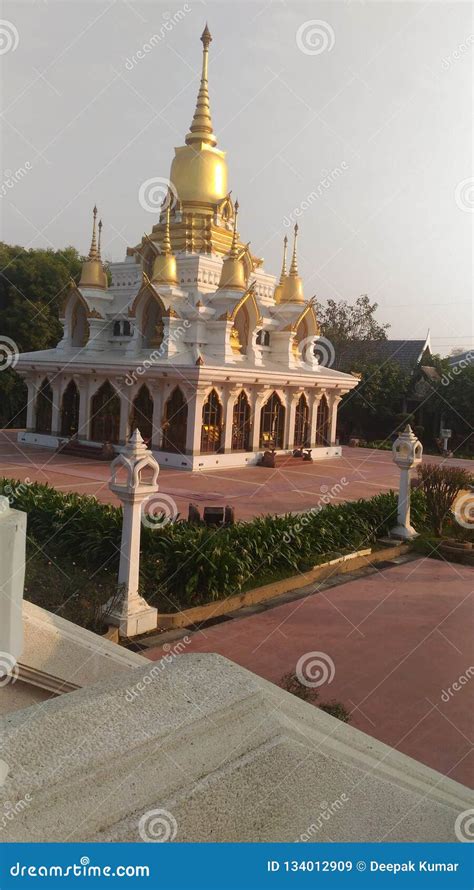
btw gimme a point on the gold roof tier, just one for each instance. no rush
(93, 273)
(164, 267)
(292, 290)
(232, 273)
(199, 170)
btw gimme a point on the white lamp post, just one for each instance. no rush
(407, 452)
(133, 615)
(12, 577)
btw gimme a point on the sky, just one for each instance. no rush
(353, 118)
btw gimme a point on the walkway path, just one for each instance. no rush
(399, 639)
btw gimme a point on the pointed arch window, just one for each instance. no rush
(241, 423)
(302, 422)
(44, 408)
(142, 414)
(105, 414)
(272, 423)
(211, 430)
(70, 410)
(322, 422)
(175, 421)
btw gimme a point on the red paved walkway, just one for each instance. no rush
(398, 639)
(360, 473)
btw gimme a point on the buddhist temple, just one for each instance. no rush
(188, 339)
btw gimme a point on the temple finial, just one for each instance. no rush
(294, 263)
(166, 235)
(233, 247)
(283, 265)
(99, 240)
(201, 127)
(93, 255)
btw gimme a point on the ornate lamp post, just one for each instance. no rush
(133, 615)
(407, 452)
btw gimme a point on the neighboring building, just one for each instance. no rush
(193, 342)
(409, 355)
(462, 359)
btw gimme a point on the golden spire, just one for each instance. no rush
(279, 288)
(292, 289)
(232, 272)
(164, 268)
(93, 274)
(201, 127)
(98, 243)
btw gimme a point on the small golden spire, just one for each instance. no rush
(292, 288)
(294, 265)
(100, 234)
(93, 273)
(232, 272)
(201, 129)
(233, 247)
(279, 288)
(164, 267)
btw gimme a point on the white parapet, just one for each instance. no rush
(194, 748)
(12, 579)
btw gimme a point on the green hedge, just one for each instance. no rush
(183, 564)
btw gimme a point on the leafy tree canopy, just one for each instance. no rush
(342, 322)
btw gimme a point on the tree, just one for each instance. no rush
(373, 409)
(32, 287)
(342, 322)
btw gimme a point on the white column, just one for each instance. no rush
(133, 615)
(230, 396)
(57, 389)
(257, 402)
(126, 400)
(194, 426)
(334, 404)
(12, 577)
(291, 404)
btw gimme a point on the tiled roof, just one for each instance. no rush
(354, 355)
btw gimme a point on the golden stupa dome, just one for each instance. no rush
(93, 273)
(199, 169)
(292, 288)
(233, 272)
(164, 267)
(279, 288)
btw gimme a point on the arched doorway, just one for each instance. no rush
(175, 423)
(302, 422)
(44, 408)
(142, 414)
(152, 324)
(241, 423)
(322, 422)
(70, 410)
(211, 430)
(105, 414)
(79, 325)
(272, 423)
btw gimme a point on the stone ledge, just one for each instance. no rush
(229, 755)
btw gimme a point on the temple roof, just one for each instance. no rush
(358, 353)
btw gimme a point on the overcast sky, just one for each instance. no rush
(365, 107)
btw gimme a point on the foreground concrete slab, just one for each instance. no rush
(199, 749)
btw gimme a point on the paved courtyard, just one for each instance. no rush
(360, 473)
(399, 640)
